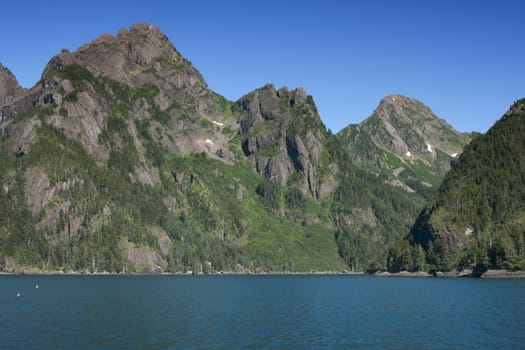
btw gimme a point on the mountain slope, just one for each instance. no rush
(477, 216)
(122, 159)
(406, 142)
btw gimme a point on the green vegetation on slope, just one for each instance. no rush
(477, 219)
(220, 216)
(370, 215)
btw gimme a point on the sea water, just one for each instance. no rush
(260, 312)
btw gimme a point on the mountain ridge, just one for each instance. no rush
(122, 159)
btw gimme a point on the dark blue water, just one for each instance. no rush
(260, 312)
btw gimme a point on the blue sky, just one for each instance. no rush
(461, 58)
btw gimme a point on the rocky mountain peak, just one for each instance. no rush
(267, 103)
(406, 126)
(9, 87)
(282, 134)
(135, 73)
(403, 109)
(140, 55)
(404, 139)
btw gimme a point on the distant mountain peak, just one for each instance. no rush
(402, 137)
(404, 109)
(408, 125)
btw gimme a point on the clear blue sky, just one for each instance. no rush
(464, 59)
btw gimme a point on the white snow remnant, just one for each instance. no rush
(429, 147)
(209, 142)
(454, 155)
(217, 123)
(408, 154)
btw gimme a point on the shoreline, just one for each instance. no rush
(468, 273)
(489, 274)
(189, 273)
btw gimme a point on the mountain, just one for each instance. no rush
(477, 218)
(122, 159)
(9, 89)
(406, 142)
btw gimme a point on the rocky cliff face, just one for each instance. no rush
(404, 139)
(9, 87)
(282, 134)
(137, 75)
(9, 90)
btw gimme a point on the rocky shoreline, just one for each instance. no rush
(186, 273)
(503, 274)
(489, 274)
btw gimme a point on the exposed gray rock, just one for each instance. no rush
(143, 259)
(9, 87)
(18, 137)
(162, 237)
(503, 274)
(282, 135)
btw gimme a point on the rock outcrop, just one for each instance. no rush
(9, 87)
(10, 90)
(282, 134)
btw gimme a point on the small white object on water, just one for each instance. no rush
(36, 286)
(17, 294)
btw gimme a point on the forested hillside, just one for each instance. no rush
(477, 218)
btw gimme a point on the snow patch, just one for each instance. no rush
(454, 155)
(429, 147)
(217, 123)
(408, 154)
(209, 142)
(469, 231)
